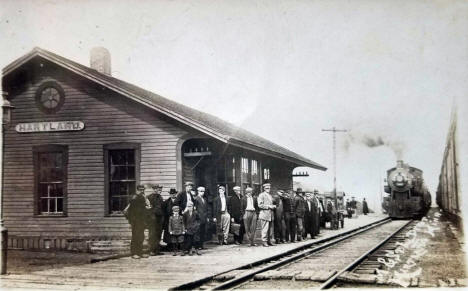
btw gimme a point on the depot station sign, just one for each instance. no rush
(49, 126)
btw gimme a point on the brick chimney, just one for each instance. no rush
(100, 60)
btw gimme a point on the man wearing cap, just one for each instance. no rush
(265, 203)
(155, 219)
(168, 205)
(300, 212)
(289, 206)
(235, 207)
(221, 215)
(249, 214)
(137, 214)
(279, 225)
(185, 196)
(202, 207)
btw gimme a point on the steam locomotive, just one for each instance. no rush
(408, 195)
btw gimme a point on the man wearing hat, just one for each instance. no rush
(185, 196)
(202, 207)
(156, 219)
(221, 215)
(136, 215)
(265, 203)
(167, 206)
(249, 214)
(235, 208)
(289, 206)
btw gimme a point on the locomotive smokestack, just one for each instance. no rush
(100, 60)
(399, 164)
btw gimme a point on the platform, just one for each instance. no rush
(160, 272)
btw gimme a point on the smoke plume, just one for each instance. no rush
(373, 141)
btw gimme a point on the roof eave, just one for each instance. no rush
(298, 162)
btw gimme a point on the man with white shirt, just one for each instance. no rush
(221, 215)
(249, 214)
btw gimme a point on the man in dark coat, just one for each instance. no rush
(331, 211)
(235, 209)
(155, 219)
(136, 214)
(300, 212)
(310, 216)
(289, 209)
(202, 207)
(167, 207)
(348, 208)
(365, 208)
(185, 196)
(280, 226)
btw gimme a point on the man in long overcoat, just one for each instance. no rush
(235, 207)
(311, 216)
(137, 214)
(365, 208)
(265, 203)
(155, 219)
(202, 207)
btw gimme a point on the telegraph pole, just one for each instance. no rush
(334, 130)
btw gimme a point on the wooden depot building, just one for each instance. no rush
(80, 141)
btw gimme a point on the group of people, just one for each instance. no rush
(351, 207)
(190, 218)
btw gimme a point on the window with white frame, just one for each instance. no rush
(50, 174)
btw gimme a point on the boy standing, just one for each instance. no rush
(176, 229)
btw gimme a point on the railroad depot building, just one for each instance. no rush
(80, 141)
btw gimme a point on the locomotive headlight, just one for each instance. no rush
(399, 180)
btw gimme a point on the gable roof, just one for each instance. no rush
(204, 122)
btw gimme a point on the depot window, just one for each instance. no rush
(122, 174)
(50, 175)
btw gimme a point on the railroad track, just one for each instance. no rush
(295, 265)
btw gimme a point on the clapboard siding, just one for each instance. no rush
(108, 118)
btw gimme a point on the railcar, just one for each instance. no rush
(340, 208)
(408, 195)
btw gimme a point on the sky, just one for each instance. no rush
(388, 72)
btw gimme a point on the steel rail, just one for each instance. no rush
(335, 238)
(329, 283)
(244, 277)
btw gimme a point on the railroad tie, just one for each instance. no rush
(352, 277)
(318, 276)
